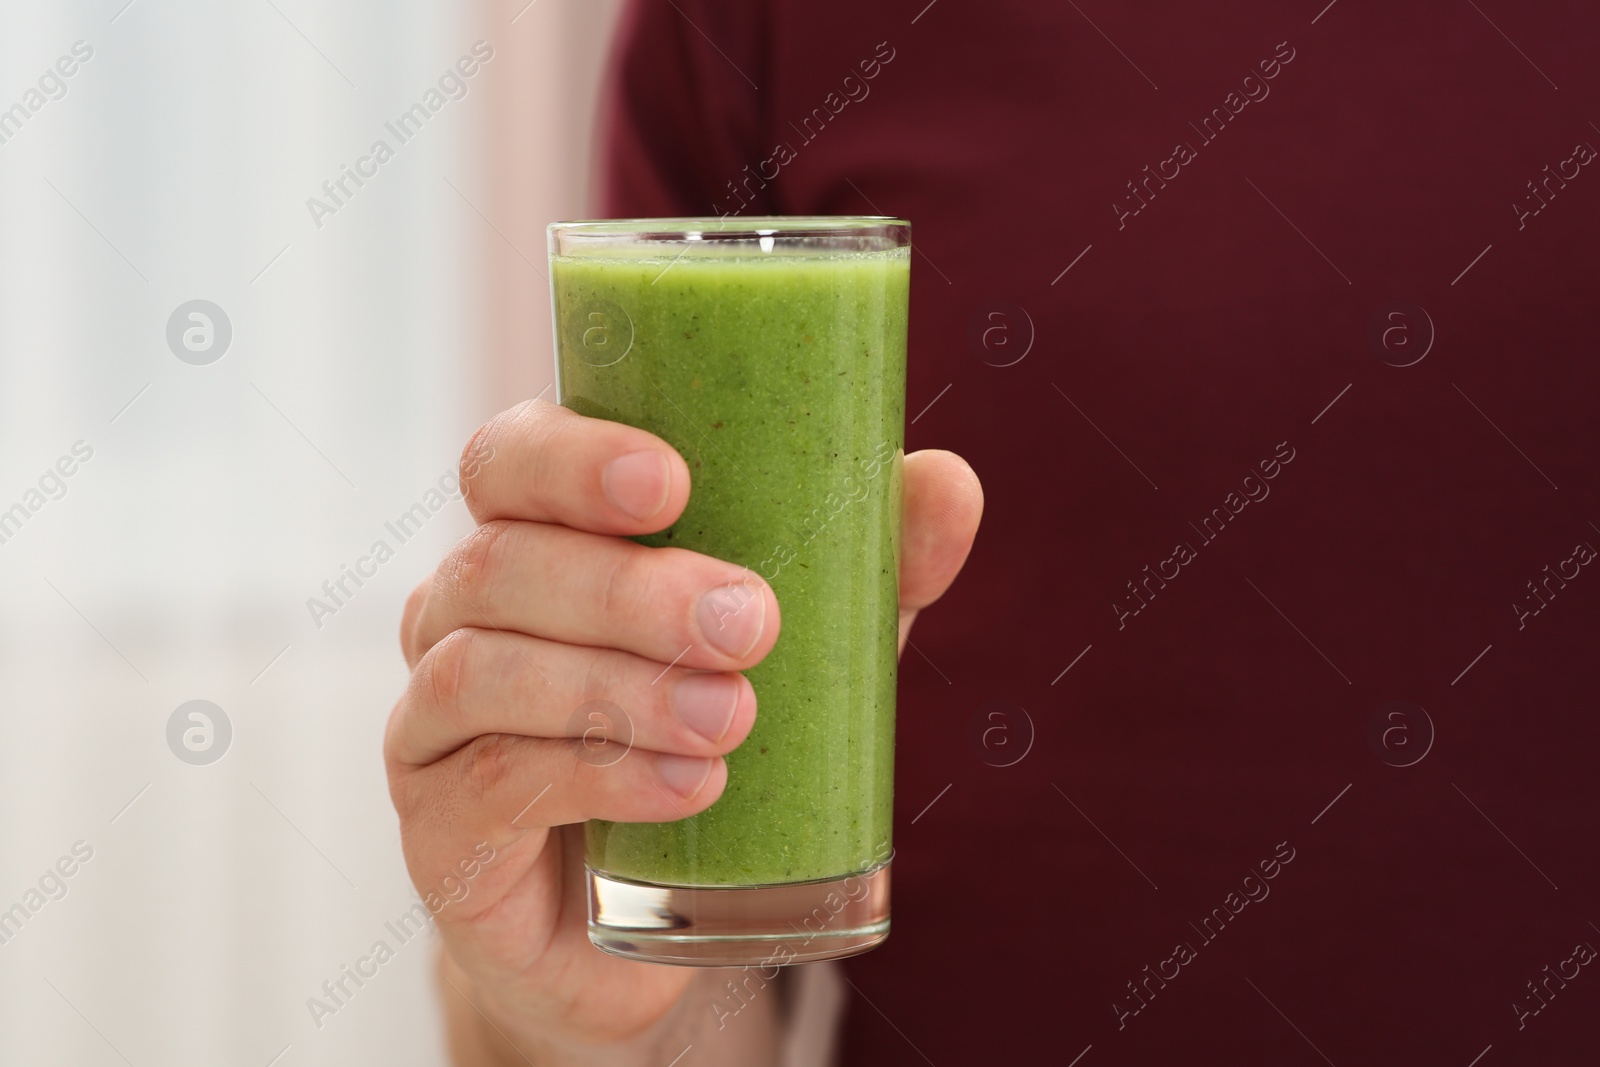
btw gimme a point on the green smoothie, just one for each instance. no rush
(778, 372)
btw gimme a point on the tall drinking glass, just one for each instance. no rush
(770, 352)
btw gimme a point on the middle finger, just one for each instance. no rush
(477, 682)
(665, 604)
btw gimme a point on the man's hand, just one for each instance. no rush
(547, 606)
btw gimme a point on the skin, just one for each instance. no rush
(546, 606)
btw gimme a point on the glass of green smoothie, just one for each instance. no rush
(770, 352)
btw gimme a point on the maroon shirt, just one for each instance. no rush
(1291, 504)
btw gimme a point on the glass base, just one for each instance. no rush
(768, 926)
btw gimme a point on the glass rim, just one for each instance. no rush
(677, 229)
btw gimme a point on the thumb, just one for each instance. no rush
(943, 503)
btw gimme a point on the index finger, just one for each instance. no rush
(543, 463)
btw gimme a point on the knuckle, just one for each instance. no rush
(627, 590)
(479, 450)
(403, 781)
(600, 675)
(468, 572)
(445, 665)
(488, 763)
(608, 587)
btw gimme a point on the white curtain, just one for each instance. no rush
(170, 510)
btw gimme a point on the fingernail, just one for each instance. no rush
(731, 617)
(684, 775)
(637, 483)
(706, 702)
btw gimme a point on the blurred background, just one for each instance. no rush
(222, 383)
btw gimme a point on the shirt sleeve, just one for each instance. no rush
(681, 111)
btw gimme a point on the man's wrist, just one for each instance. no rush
(480, 1036)
(472, 1038)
